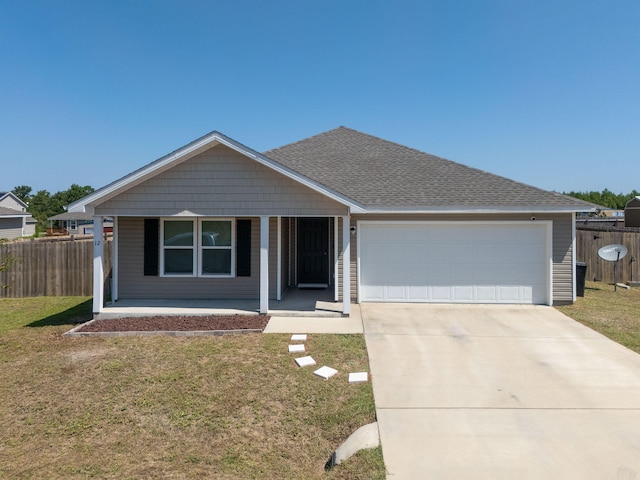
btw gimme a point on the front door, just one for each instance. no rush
(313, 252)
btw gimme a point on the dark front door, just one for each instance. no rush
(313, 251)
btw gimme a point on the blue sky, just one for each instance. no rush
(546, 92)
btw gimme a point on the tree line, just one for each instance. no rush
(605, 198)
(43, 204)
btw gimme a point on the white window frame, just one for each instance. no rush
(198, 248)
(231, 247)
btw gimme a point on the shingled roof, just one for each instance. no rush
(382, 175)
(10, 212)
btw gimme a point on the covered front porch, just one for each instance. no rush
(295, 303)
(282, 257)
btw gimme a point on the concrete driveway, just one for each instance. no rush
(501, 392)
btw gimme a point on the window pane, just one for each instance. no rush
(216, 233)
(216, 262)
(178, 261)
(178, 233)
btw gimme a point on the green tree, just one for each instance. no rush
(43, 205)
(23, 192)
(605, 198)
(73, 193)
(40, 208)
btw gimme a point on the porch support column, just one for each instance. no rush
(98, 265)
(346, 265)
(279, 261)
(264, 265)
(114, 261)
(336, 255)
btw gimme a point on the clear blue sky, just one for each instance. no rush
(546, 92)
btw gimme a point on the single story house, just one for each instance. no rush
(373, 220)
(15, 221)
(76, 223)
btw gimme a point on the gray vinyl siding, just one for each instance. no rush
(562, 260)
(353, 270)
(220, 182)
(562, 253)
(29, 229)
(134, 284)
(11, 228)
(10, 202)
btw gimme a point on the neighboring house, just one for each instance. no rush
(15, 221)
(374, 220)
(75, 223)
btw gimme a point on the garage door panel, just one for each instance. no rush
(463, 293)
(418, 293)
(397, 293)
(441, 294)
(487, 294)
(375, 293)
(468, 263)
(510, 294)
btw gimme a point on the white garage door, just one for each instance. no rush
(452, 262)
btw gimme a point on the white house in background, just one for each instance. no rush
(15, 221)
(372, 220)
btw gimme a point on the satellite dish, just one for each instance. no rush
(612, 253)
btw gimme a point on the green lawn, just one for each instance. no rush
(202, 407)
(615, 314)
(233, 407)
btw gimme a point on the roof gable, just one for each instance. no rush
(386, 176)
(6, 198)
(220, 182)
(187, 152)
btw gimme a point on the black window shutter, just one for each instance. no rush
(243, 248)
(151, 246)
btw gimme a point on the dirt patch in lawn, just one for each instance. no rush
(178, 323)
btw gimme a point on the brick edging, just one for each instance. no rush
(74, 332)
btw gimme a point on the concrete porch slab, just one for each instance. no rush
(298, 324)
(295, 303)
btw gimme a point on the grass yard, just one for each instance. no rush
(233, 407)
(614, 314)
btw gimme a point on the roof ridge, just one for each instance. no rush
(304, 139)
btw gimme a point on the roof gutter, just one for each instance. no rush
(477, 210)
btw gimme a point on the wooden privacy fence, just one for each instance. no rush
(589, 239)
(50, 267)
